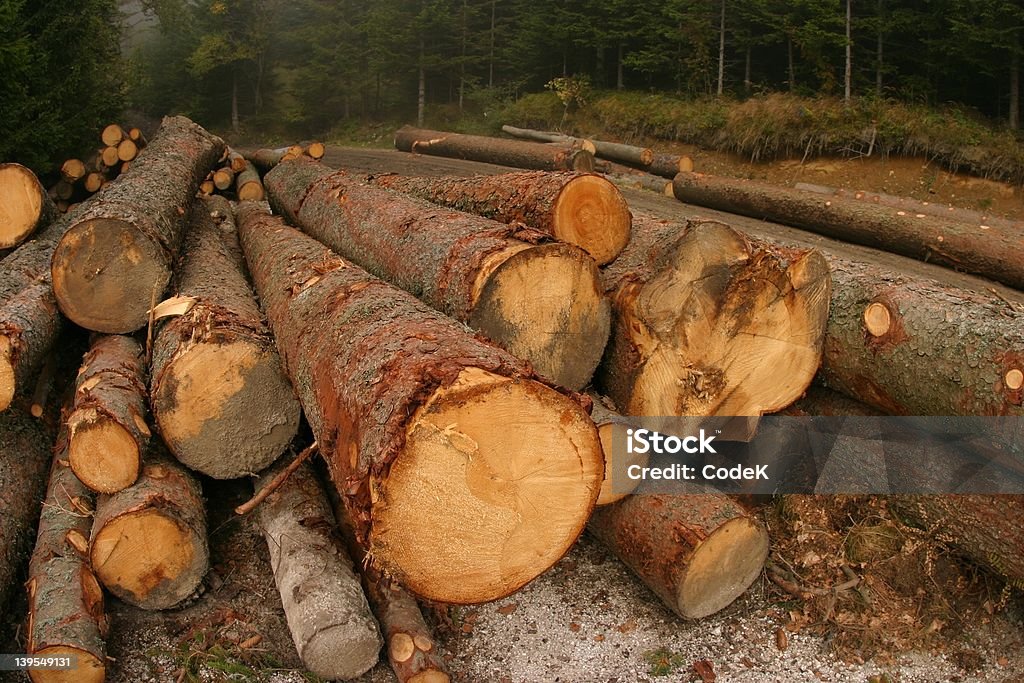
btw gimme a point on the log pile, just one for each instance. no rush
(79, 179)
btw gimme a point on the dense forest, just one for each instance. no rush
(303, 66)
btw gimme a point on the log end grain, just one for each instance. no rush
(89, 669)
(23, 203)
(877, 319)
(483, 510)
(1014, 379)
(722, 567)
(106, 274)
(112, 135)
(590, 212)
(226, 409)
(251, 191)
(545, 304)
(316, 150)
(104, 455)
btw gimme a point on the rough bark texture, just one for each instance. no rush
(631, 155)
(148, 544)
(24, 456)
(669, 165)
(25, 206)
(581, 209)
(941, 351)
(708, 322)
(107, 427)
(995, 252)
(541, 302)
(266, 159)
(372, 365)
(116, 258)
(514, 153)
(697, 553)
(989, 529)
(66, 614)
(549, 136)
(335, 635)
(219, 395)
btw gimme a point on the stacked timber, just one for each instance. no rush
(80, 179)
(514, 153)
(25, 206)
(540, 300)
(265, 159)
(402, 401)
(236, 178)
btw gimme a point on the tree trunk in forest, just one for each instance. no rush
(550, 136)
(25, 206)
(879, 65)
(24, 456)
(620, 82)
(1015, 87)
(65, 602)
(107, 431)
(234, 101)
(585, 210)
(468, 267)
(721, 51)
(993, 253)
(412, 650)
(789, 58)
(490, 60)
(748, 85)
(606, 418)
(513, 153)
(421, 88)
(219, 394)
(116, 259)
(148, 544)
(848, 69)
(989, 529)
(707, 322)
(697, 553)
(335, 635)
(223, 178)
(402, 401)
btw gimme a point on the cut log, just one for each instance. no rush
(403, 402)
(989, 529)
(24, 205)
(669, 165)
(631, 155)
(94, 181)
(72, 170)
(64, 190)
(412, 650)
(605, 417)
(643, 181)
(581, 209)
(549, 136)
(236, 161)
(223, 178)
(148, 544)
(912, 346)
(115, 260)
(206, 187)
(44, 384)
(514, 153)
(24, 460)
(697, 553)
(65, 602)
(335, 634)
(708, 322)
(112, 135)
(248, 185)
(995, 253)
(219, 395)
(266, 159)
(542, 302)
(127, 150)
(316, 150)
(107, 429)
(110, 156)
(139, 138)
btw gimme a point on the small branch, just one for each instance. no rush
(276, 482)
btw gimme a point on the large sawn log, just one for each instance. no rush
(404, 403)
(24, 205)
(514, 153)
(581, 209)
(542, 302)
(115, 260)
(995, 252)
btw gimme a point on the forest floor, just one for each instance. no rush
(921, 613)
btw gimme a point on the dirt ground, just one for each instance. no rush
(588, 620)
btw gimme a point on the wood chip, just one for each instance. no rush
(508, 609)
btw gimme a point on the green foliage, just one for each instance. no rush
(664, 661)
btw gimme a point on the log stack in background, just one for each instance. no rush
(514, 153)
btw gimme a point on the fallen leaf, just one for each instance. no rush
(508, 609)
(627, 626)
(706, 671)
(781, 639)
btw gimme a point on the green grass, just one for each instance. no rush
(664, 661)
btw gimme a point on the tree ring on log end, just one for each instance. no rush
(8, 381)
(103, 454)
(89, 669)
(545, 304)
(430, 676)
(142, 556)
(609, 492)
(20, 204)
(722, 567)
(479, 511)
(1014, 379)
(226, 409)
(590, 212)
(877, 319)
(106, 274)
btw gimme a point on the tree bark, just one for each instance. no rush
(848, 69)
(148, 544)
(24, 456)
(402, 401)
(697, 553)
(116, 259)
(468, 267)
(721, 51)
(219, 394)
(248, 185)
(549, 136)
(630, 155)
(581, 209)
(606, 417)
(669, 165)
(335, 635)
(107, 429)
(709, 322)
(25, 206)
(266, 159)
(880, 32)
(993, 253)
(514, 153)
(1015, 86)
(65, 612)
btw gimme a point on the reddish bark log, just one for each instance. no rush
(402, 401)
(542, 302)
(514, 153)
(115, 261)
